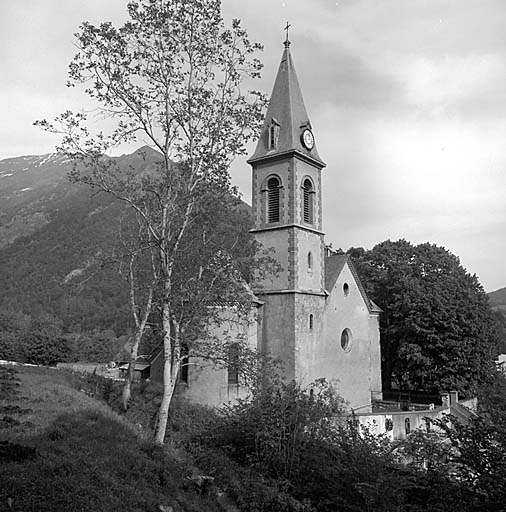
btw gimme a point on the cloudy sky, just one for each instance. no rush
(407, 99)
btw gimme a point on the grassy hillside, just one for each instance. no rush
(61, 450)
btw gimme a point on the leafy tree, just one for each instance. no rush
(39, 348)
(479, 452)
(12, 326)
(97, 346)
(437, 329)
(172, 74)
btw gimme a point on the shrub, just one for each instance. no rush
(39, 348)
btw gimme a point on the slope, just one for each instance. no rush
(498, 298)
(63, 450)
(50, 228)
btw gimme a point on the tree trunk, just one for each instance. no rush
(139, 331)
(172, 360)
(127, 386)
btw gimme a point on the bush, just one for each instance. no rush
(300, 438)
(274, 428)
(39, 348)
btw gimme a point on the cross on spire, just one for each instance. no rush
(287, 41)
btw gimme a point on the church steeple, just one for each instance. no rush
(286, 196)
(286, 119)
(287, 211)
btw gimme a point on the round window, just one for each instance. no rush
(346, 340)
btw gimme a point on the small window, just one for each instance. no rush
(311, 322)
(308, 201)
(389, 425)
(346, 289)
(273, 200)
(309, 260)
(273, 134)
(233, 364)
(407, 426)
(346, 340)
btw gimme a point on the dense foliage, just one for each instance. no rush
(35, 271)
(301, 441)
(43, 340)
(437, 328)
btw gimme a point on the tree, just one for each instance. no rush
(13, 325)
(40, 348)
(172, 74)
(437, 331)
(479, 450)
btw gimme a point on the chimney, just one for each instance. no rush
(454, 397)
(445, 400)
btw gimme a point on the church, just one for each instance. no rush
(313, 315)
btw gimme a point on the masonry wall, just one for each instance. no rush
(377, 423)
(208, 379)
(308, 278)
(310, 346)
(278, 330)
(356, 369)
(276, 241)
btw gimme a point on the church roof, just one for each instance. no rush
(287, 110)
(334, 265)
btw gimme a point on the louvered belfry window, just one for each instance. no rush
(308, 201)
(273, 200)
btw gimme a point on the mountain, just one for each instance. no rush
(50, 229)
(498, 299)
(498, 302)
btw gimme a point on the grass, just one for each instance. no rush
(65, 451)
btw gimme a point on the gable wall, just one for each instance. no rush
(354, 372)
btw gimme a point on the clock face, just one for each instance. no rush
(308, 139)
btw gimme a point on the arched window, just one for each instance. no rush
(311, 322)
(308, 201)
(309, 260)
(273, 200)
(407, 426)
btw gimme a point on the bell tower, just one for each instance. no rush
(287, 211)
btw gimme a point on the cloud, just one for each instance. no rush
(449, 84)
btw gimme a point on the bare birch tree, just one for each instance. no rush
(171, 76)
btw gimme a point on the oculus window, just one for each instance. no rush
(346, 340)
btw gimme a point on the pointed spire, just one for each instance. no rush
(286, 116)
